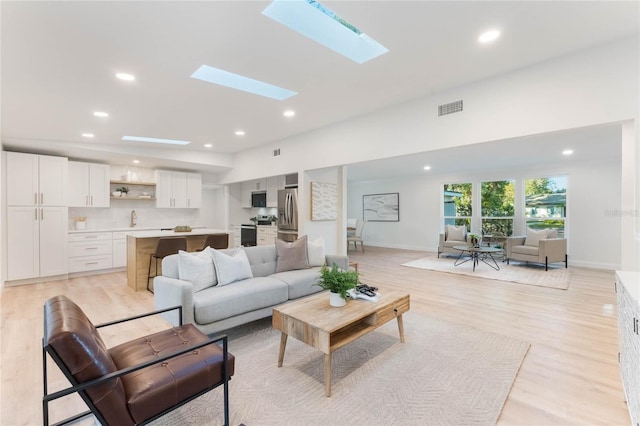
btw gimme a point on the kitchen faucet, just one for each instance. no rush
(133, 218)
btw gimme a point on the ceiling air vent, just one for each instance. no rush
(276, 152)
(449, 108)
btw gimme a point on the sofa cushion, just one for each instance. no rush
(161, 386)
(218, 303)
(263, 260)
(315, 252)
(300, 282)
(456, 233)
(292, 255)
(231, 268)
(197, 268)
(528, 250)
(534, 237)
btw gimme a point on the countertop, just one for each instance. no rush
(631, 281)
(157, 233)
(142, 231)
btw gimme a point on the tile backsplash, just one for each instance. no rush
(119, 216)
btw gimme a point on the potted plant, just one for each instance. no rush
(124, 190)
(474, 240)
(273, 220)
(338, 282)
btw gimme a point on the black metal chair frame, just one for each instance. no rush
(81, 388)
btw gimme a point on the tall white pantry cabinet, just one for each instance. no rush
(37, 216)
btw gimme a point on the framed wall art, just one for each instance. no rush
(324, 201)
(381, 207)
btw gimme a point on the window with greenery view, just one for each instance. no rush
(546, 203)
(497, 203)
(457, 204)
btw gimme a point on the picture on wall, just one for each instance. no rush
(324, 201)
(381, 207)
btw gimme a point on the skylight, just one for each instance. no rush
(239, 82)
(313, 20)
(154, 140)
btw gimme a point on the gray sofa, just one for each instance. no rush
(218, 308)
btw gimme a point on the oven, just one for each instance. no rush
(248, 235)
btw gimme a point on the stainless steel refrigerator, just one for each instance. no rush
(288, 214)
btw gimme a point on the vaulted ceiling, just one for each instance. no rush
(59, 61)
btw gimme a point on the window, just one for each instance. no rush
(497, 202)
(457, 204)
(546, 203)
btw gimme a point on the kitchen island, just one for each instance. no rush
(142, 244)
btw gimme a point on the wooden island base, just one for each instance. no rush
(141, 245)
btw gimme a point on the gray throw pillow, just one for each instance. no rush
(292, 255)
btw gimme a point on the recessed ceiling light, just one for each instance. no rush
(427, 167)
(154, 140)
(239, 82)
(289, 113)
(567, 152)
(317, 22)
(240, 133)
(126, 77)
(136, 161)
(208, 145)
(100, 114)
(488, 36)
(88, 135)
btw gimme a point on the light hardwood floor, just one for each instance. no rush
(569, 376)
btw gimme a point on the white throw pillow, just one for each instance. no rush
(231, 268)
(534, 237)
(197, 268)
(315, 252)
(456, 233)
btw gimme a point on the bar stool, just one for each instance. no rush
(165, 247)
(216, 241)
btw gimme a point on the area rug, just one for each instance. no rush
(556, 277)
(445, 374)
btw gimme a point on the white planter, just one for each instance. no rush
(336, 300)
(116, 193)
(80, 225)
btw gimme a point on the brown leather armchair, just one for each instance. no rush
(171, 367)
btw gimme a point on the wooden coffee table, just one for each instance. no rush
(313, 321)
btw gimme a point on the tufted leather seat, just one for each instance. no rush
(141, 395)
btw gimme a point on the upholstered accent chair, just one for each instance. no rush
(538, 246)
(452, 236)
(137, 381)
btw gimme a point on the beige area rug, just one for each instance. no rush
(445, 374)
(519, 272)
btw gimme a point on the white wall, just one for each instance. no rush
(327, 229)
(212, 212)
(591, 87)
(593, 232)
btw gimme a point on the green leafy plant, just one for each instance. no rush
(337, 280)
(124, 189)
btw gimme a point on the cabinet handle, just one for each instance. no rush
(36, 213)
(91, 263)
(91, 248)
(90, 236)
(35, 198)
(41, 198)
(91, 196)
(41, 214)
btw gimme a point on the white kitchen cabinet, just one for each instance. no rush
(36, 241)
(178, 189)
(88, 184)
(194, 190)
(119, 253)
(237, 241)
(34, 180)
(266, 235)
(90, 251)
(274, 184)
(248, 187)
(628, 298)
